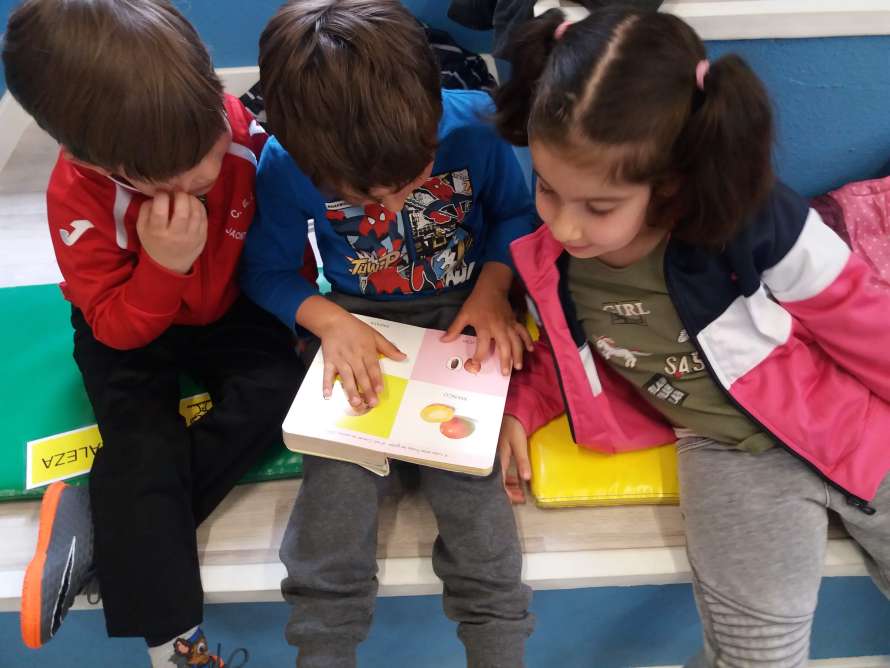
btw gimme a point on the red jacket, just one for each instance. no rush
(126, 297)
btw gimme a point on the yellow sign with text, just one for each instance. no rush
(72, 453)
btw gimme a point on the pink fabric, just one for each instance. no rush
(616, 420)
(866, 207)
(850, 320)
(534, 397)
(701, 72)
(561, 30)
(828, 417)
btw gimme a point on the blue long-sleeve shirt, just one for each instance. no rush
(473, 206)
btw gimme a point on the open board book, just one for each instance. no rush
(439, 408)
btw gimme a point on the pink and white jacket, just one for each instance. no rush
(787, 321)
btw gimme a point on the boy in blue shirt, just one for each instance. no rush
(414, 201)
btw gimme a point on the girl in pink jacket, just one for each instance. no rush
(687, 295)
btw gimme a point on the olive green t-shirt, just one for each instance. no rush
(630, 321)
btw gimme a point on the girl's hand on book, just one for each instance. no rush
(488, 311)
(351, 350)
(513, 448)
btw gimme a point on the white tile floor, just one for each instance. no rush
(30, 164)
(26, 254)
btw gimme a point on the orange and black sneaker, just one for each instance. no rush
(62, 566)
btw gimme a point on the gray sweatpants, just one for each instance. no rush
(330, 543)
(756, 528)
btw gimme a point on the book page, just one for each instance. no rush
(436, 407)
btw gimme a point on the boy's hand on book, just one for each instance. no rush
(488, 311)
(513, 448)
(173, 236)
(351, 350)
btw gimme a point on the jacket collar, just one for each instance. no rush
(536, 253)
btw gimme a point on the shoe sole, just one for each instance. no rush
(32, 588)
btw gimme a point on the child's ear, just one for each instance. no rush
(80, 163)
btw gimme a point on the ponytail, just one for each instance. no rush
(723, 156)
(528, 52)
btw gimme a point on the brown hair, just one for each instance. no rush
(621, 85)
(352, 91)
(122, 85)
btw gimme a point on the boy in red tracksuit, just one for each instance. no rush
(148, 205)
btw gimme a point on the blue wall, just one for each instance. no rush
(832, 99)
(607, 628)
(232, 31)
(832, 95)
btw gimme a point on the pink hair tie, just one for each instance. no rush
(701, 71)
(561, 30)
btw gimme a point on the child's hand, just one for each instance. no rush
(174, 240)
(487, 310)
(513, 445)
(350, 349)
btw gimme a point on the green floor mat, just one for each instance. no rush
(43, 400)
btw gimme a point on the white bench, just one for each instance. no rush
(564, 548)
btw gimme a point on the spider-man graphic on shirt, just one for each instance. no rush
(423, 247)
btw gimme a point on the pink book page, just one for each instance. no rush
(451, 365)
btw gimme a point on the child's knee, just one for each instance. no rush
(771, 631)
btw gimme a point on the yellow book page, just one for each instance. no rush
(379, 420)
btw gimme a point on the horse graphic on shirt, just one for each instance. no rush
(608, 350)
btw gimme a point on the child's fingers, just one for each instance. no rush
(458, 326)
(363, 383)
(504, 351)
(516, 347)
(517, 494)
(197, 218)
(160, 210)
(386, 347)
(505, 454)
(513, 487)
(525, 335)
(347, 379)
(327, 383)
(144, 216)
(191, 224)
(182, 212)
(519, 446)
(373, 366)
(506, 479)
(483, 345)
(372, 376)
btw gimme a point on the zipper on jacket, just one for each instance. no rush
(562, 391)
(860, 504)
(857, 502)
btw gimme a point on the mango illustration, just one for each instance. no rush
(437, 413)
